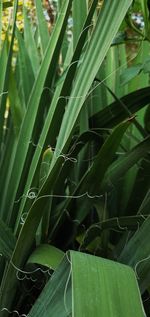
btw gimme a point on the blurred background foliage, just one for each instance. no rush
(49, 9)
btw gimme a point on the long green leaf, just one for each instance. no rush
(4, 91)
(122, 165)
(91, 181)
(7, 241)
(1, 10)
(100, 42)
(56, 291)
(141, 186)
(104, 158)
(57, 107)
(42, 25)
(30, 44)
(94, 56)
(8, 156)
(98, 287)
(79, 15)
(114, 113)
(17, 110)
(3, 62)
(89, 67)
(26, 75)
(137, 254)
(28, 125)
(27, 128)
(145, 205)
(31, 221)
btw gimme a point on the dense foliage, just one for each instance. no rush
(75, 158)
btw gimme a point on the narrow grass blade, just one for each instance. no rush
(42, 25)
(17, 110)
(24, 67)
(79, 13)
(30, 44)
(8, 156)
(3, 63)
(6, 79)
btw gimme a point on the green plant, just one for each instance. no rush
(73, 156)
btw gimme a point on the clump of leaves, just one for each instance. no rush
(77, 154)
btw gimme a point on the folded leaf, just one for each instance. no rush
(85, 285)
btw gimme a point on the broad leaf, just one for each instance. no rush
(46, 255)
(86, 285)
